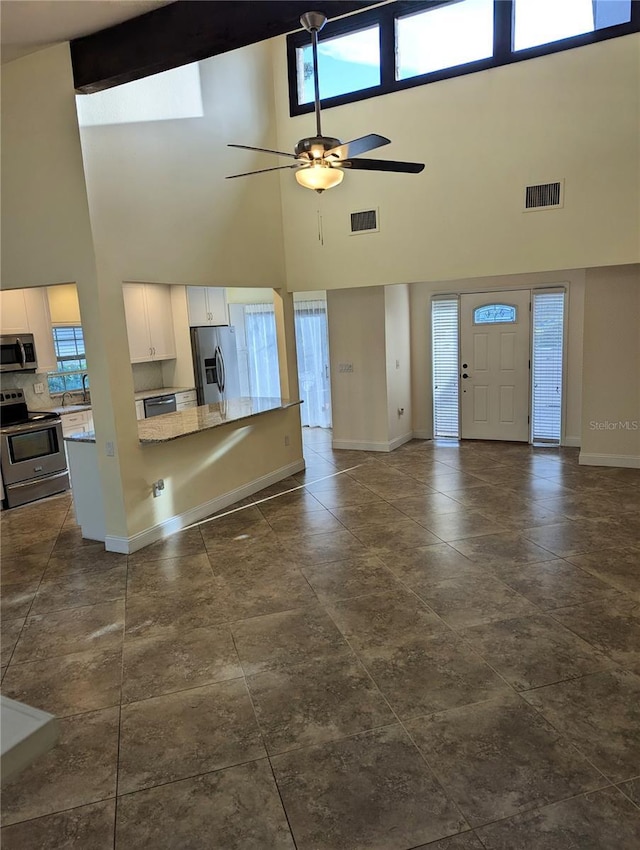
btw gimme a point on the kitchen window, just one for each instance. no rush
(404, 44)
(71, 360)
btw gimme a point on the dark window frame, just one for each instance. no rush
(385, 16)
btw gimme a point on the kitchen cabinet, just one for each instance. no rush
(186, 400)
(27, 311)
(207, 306)
(40, 324)
(13, 315)
(149, 321)
(78, 422)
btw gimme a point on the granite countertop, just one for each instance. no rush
(68, 408)
(171, 426)
(76, 408)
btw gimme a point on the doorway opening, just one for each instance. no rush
(498, 365)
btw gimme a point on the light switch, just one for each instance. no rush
(38, 388)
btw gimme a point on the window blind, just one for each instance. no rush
(445, 334)
(548, 334)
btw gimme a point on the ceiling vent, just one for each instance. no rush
(544, 196)
(365, 221)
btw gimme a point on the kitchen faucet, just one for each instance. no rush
(85, 393)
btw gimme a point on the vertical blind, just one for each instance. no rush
(546, 365)
(445, 334)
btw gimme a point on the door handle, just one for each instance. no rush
(23, 356)
(464, 375)
(224, 374)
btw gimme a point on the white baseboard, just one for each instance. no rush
(572, 442)
(627, 461)
(128, 545)
(422, 435)
(358, 446)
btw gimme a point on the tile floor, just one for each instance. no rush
(435, 647)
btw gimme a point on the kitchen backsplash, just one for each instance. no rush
(147, 376)
(35, 401)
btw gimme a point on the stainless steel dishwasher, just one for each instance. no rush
(159, 404)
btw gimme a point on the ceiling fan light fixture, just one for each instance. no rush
(319, 176)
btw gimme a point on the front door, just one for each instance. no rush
(494, 365)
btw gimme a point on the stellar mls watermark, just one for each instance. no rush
(615, 425)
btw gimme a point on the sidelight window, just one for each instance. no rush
(445, 344)
(547, 365)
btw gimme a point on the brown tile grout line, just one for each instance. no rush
(37, 589)
(327, 612)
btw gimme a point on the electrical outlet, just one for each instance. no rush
(158, 487)
(397, 364)
(38, 388)
(345, 367)
(286, 439)
(109, 449)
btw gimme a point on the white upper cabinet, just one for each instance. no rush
(160, 314)
(25, 311)
(13, 312)
(149, 321)
(40, 323)
(207, 306)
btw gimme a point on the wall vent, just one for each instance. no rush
(365, 221)
(544, 196)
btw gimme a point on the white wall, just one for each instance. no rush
(398, 362)
(421, 353)
(611, 387)
(483, 137)
(160, 205)
(356, 319)
(46, 232)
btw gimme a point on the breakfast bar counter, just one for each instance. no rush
(172, 426)
(186, 466)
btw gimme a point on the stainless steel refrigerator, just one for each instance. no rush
(215, 363)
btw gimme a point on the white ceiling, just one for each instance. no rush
(30, 25)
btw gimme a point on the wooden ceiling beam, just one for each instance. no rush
(186, 31)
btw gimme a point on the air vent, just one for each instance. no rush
(364, 221)
(544, 196)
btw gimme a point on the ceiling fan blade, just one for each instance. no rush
(358, 146)
(382, 165)
(263, 150)
(261, 171)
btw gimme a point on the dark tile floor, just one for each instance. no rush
(436, 647)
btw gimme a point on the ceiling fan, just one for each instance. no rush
(320, 160)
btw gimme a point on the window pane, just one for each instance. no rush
(444, 37)
(545, 21)
(346, 63)
(494, 314)
(548, 329)
(444, 328)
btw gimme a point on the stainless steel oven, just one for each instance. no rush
(18, 353)
(32, 455)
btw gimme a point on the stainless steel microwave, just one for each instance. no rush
(18, 353)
